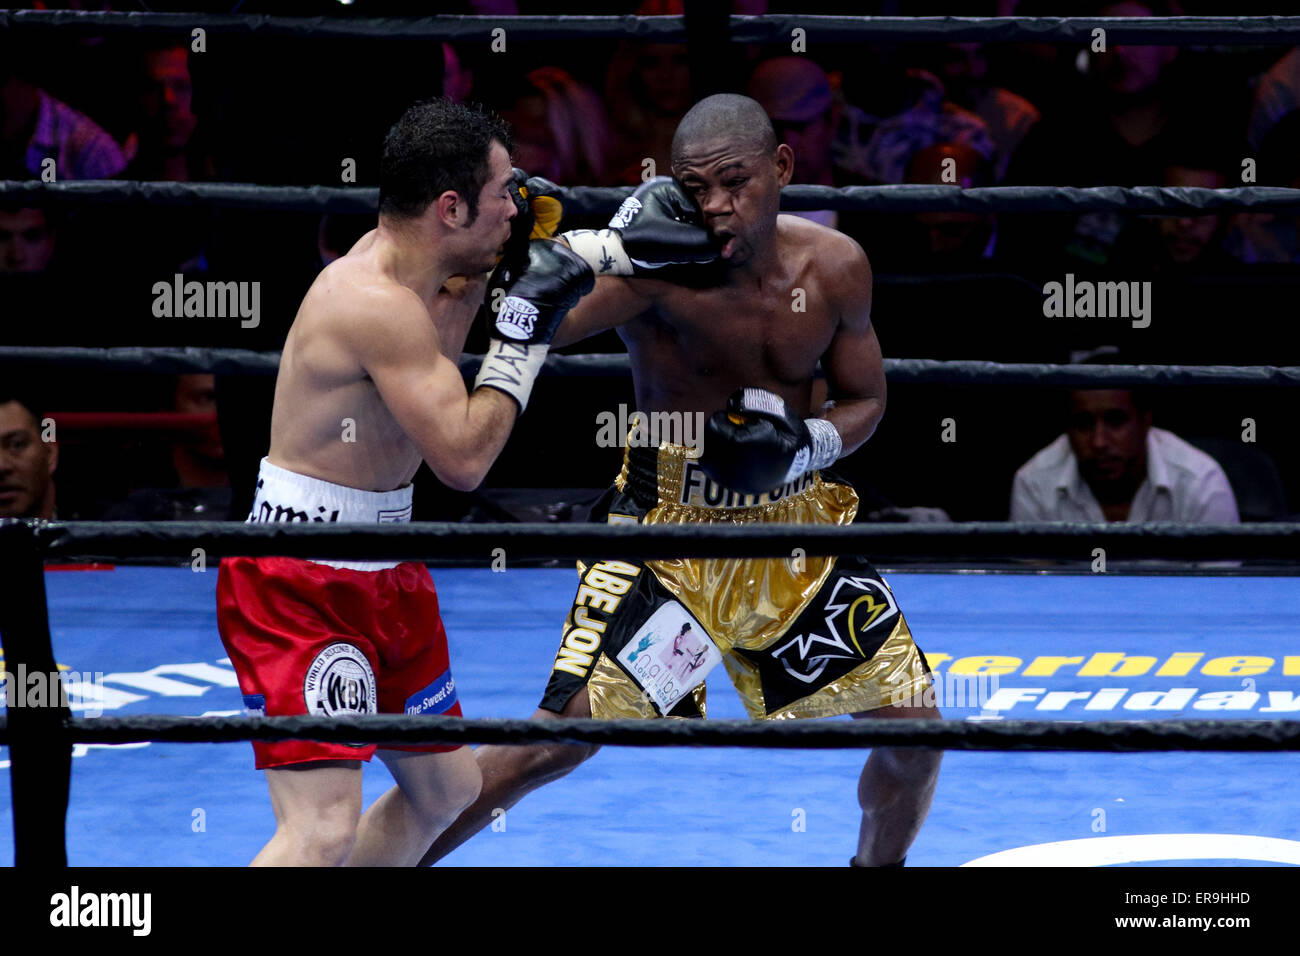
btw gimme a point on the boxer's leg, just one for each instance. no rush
(432, 790)
(895, 791)
(317, 806)
(509, 773)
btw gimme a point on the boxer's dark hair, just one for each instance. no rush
(435, 147)
(725, 116)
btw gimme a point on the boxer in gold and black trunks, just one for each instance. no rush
(801, 637)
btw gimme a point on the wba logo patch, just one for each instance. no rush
(340, 681)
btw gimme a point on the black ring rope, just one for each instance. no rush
(771, 28)
(422, 541)
(604, 200)
(175, 361)
(40, 788)
(1109, 736)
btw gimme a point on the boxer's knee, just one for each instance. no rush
(436, 786)
(325, 840)
(460, 789)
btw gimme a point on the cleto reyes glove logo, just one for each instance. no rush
(517, 318)
(631, 206)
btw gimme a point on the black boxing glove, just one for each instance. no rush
(758, 444)
(526, 311)
(538, 211)
(658, 225)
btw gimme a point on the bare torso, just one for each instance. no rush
(329, 420)
(693, 347)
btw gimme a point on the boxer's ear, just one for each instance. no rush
(783, 160)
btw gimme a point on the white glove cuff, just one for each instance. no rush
(511, 367)
(602, 249)
(824, 448)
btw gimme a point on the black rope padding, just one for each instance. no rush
(427, 541)
(1180, 31)
(175, 361)
(162, 361)
(313, 199)
(1108, 736)
(604, 200)
(462, 28)
(1016, 199)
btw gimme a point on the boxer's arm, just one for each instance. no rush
(855, 371)
(613, 302)
(459, 434)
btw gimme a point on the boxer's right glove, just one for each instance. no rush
(538, 211)
(758, 443)
(658, 225)
(526, 310)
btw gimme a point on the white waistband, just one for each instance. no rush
(287, 496)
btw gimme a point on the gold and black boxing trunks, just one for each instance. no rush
(799, 636)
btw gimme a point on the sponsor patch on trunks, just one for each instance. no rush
(438, 698)
(669, 656)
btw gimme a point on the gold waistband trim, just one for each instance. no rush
(682, 482)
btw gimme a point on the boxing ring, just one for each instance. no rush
(167, 804)
(1099, 711)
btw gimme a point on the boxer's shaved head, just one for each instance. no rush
(727, 159)
(725, 117)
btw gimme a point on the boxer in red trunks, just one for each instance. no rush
(368, 388)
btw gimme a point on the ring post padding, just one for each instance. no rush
(40, 753)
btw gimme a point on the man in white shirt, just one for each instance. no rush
(1111, 465)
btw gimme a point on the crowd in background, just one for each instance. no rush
(603, 113)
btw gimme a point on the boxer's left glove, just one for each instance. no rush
(526, 313)
(758, 444)
(538, 211)
(658, 225)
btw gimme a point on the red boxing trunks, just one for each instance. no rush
(309, 638)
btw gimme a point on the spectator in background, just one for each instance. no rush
(929, 118)
(560, 129)
(160, 146)
(1258, 237)
(1276, 95)
(35, 127)
(27, 463)
(1122, 131)
(196, 487)
(457, 75)
(647, 91)
(1045, 74)
(952, 240)
(27, 239)
(200, 461)
(796, 94)
(963, 68)
(1183, 243)
(1113, 465)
